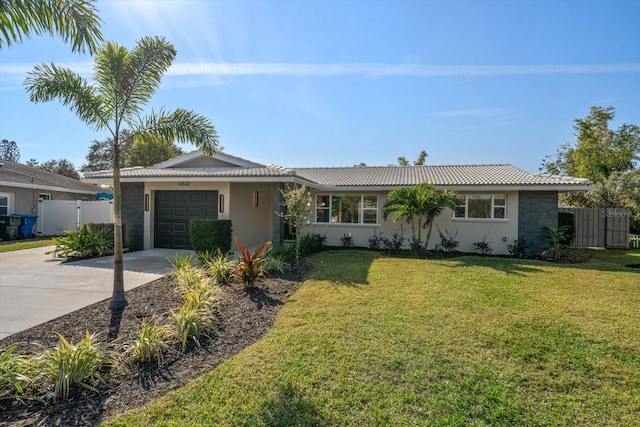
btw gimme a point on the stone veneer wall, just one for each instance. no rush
(133, 215)
(536, 210)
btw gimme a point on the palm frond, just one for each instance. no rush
(48, 82)
(75, 21)
(150, 59)
(180, 125)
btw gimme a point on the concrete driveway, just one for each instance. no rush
(36, 288)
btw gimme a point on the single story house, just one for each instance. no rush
(499, 203)
(22, 186)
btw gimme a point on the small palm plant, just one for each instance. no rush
(250, 267)
(556, 236)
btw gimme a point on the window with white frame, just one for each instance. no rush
(347, 209)
(6, 203)
(44, 196)
(481, 206)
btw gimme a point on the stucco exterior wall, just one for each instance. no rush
(499, 233)
(25, 200)
(253, 225)
(538, 209)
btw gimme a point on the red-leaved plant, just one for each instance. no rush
(250, 267)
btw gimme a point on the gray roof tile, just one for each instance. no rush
(11, 172)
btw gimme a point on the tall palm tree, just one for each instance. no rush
(75, 21)
(124, 81)
(421, 203)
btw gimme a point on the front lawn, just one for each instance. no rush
(17, 245)
(372, 340)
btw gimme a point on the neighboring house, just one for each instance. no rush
(21, 187)
(497, 202)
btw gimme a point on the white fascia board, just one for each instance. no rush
(493, 188)
(46, 187)
(198, 153)
(241, 179)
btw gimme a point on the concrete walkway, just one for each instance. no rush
(36, 288)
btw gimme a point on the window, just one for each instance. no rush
(6, 205)
(44, 196)
(481, 206)
(347, 209)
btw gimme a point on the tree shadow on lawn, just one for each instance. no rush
(523, 267)
(289, 407)
(348, 267)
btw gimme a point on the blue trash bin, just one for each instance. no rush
(26, 226)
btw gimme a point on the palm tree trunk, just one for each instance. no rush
(426, 242)
(118, 299)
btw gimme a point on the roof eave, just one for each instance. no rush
(48, 187)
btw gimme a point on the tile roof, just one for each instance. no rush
(366, 176)
(153, 172)
(20, 175)
(451, 175)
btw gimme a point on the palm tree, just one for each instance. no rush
(75, 21)
(124, 82)
(421, 203)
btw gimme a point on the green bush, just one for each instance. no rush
(207, 235)
(274, 264)
(86, 242)
(192, 323)
(567, 220)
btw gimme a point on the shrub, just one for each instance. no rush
(84, 243)
(78, 364)
(286, 252)
(518, 247)
(181, 263)
(15, 375)
(274, 264)
(150, 344)
(310, 243)
(207, 235)
(448, 243)
(375, 241)
(417, 247)
(192, 323)
(396, 242)
(250, 267)
(347, 240)
(567, 219)
(556, 237)
(190, 279)
(217, 265)
(483, 247)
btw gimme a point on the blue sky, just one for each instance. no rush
(336, 83)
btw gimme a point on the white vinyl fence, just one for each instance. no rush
(56, 216)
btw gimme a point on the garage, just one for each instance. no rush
(174, 211)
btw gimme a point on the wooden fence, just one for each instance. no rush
(601, 227)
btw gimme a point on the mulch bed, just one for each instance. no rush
(244, 317)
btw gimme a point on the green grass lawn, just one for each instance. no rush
(16, 245)
(370, 340)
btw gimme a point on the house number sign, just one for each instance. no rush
(183, 183)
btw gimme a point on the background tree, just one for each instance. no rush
(75, 21)
(123, 83)
(9, 151)
(421, 204)
(422, 157)
(598, 151)
(297, 204)
(149, 152)
(61, 167)
(100, 155)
